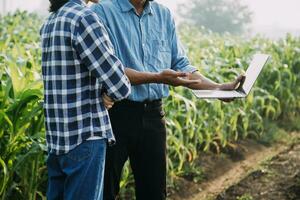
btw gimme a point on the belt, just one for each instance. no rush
(143, 104)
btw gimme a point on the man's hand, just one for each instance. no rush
(238, 82)
(108, 102)
(173, 78)
(234, 84)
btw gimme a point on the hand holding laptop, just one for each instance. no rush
(238, 82)
(246, 82)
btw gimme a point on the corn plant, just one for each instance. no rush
(22, 157)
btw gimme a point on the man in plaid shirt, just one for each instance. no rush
(80, 71)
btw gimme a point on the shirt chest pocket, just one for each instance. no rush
(160, 54)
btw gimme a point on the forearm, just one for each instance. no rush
(138, 78)
(117, 91)
(203, 83)
(168, 77)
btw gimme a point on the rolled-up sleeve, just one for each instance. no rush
(180, 61)
(96, 52)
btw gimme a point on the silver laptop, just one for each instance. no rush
(256, 65)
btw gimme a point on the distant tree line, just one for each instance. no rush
(217, 15)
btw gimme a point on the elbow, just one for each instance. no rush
(127, 87)
(126, 91)
(122, 93)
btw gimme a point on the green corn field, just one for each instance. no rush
(193, 125)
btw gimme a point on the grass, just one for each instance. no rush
(245, 197)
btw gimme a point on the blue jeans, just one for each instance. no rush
(77, 175)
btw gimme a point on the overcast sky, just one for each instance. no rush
(269, 15)
(284, 13)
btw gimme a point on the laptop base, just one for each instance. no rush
(218, 94)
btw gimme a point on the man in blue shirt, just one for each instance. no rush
(144, 38)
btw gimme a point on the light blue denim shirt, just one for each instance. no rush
(145, 43)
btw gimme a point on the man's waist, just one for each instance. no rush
(140, 104)
(150, 92)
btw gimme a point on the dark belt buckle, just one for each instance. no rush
(145, 104)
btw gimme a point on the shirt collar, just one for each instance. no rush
(126, 6)
(148, 8)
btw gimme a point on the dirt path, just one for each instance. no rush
(277, 179)
(210, 189)
(224, 173)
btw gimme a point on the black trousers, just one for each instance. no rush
(140, 132)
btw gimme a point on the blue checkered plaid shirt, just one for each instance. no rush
(78, 65)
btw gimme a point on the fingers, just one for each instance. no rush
(236, 83)
(175, 74)
(228, 100)
(107, 98)
(107, 105)
(240, 80)
(181, 74)
(108, 102)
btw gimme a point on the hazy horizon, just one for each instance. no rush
(269, 17)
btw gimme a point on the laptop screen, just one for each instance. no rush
(254, 69)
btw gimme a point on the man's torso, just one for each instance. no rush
(72, 96)
(143, 42)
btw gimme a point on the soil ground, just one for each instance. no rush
(251, 172)
(277, 179)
